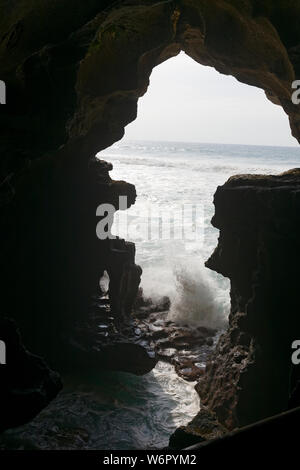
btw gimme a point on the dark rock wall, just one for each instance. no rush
(74, 71)
(61, 258)
(27, 383)
(249, 376)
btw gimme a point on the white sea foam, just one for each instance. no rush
(198, 300)
(121, 411)
(112, 411)
(167, 175)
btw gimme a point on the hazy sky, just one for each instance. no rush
(189, 102)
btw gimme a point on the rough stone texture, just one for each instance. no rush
(106, 338)
(73, 82)
(248, 376)
(204, 427)
(185, 347)
(27, 384)
(58, 260)
(74, 71)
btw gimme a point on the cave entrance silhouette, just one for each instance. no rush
(160, 155)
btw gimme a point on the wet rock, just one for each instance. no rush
(27, 383)
(144, 307)
(124, 277)
(166, 354)
(187, 369)
(102, 342)
(51, 177)
(203, 427)
(248, 375)
(159, 333)
(127, 357)
(182, 346)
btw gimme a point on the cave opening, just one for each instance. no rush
(195, 128)
(167, 157)
(97, 89)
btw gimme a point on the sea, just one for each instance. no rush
(170, 225)
(175, 178)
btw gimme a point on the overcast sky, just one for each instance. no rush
(192, 103)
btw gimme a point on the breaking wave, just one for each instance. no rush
(198, 300)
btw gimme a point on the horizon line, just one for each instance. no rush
(205, 143)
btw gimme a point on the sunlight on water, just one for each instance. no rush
(121, 411)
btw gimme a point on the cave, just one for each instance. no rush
(72, 85)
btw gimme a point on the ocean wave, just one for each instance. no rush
(200, 166)
(198, 299)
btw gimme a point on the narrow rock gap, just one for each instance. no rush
(170, 338)
(91, 95)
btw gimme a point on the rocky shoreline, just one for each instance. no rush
(185, 347)
(134, 345)
(27, 383)
(73, 82)
(250, 376)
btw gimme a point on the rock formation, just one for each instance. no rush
(249, 376)
(27, 384)
(204, 427)
(74, 71)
